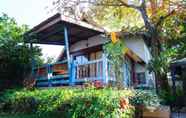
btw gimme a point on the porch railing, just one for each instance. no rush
(100, 69)
(52, 74)
(91, 70)
(58, 73)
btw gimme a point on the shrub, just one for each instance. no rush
(145, 98)
(72, 103)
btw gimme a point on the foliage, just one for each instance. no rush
(167, 96)
(72, 103)
(175, 33)
(161, 63)
(15, 59)
(50, 115)
(146, 98)
(172, 99)
(76, 103)
(115, 53)
(117, 18)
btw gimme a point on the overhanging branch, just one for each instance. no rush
(129, 6)
(121, 3)
(165, 17)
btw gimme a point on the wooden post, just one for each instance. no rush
(73, 73)
(125, 75)
(32, 58)
(105, 70)
(67, 52)
(49, 75)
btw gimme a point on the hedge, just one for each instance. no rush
(69, 102)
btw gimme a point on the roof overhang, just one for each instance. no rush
(181, 62)
(51, 31)
(134, 56)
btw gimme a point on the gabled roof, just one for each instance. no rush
(51, 31)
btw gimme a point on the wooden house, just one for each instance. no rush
(83, 58)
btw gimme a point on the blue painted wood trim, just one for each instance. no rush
(60, 82)
(90, 62)
(60, 62)
(67, 52)
(73, 73)
(59, 76)
(49, 70)
(105, 71)
(108, 70)
(90, 79)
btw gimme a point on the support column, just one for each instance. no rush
(73, 72)
(49, 75)
(32, 59)
(105, 69)
(67, 52)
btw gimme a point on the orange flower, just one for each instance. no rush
(124, 103)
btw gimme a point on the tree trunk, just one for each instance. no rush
(153, 39)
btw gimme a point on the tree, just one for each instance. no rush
(174, 48)
(15, 55)
(159, 18)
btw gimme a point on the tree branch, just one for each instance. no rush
(127, 5)
(106, 4)
(143, 3)
(165, 17)
(121, 4)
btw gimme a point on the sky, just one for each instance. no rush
(31, 13)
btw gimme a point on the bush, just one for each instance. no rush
(145, 98)
(72, 103)
(173, 99)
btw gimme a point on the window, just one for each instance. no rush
(141, 78)
(95, 55)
